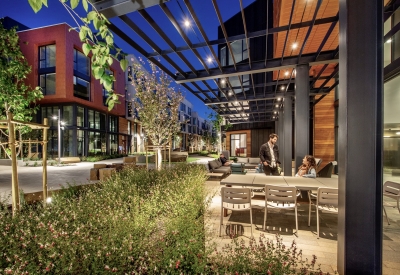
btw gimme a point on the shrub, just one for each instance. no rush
(98, 157)
(137, 221)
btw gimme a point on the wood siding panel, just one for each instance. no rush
(324, 129)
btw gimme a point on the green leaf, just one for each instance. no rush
(123, 63)
(110, 61)
(86, 48)
(110, 105)
(82, 35)
(98, 72)
(96, 23)
(45, 3)
(107, 84)
(91, 15)
(36, 5)
(109, 40)
(74, 3)
(85, 5)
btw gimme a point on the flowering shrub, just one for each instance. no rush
(264, 256)
(136, 222)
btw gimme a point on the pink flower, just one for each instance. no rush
(177, 264)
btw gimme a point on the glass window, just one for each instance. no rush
(47, 56)
(189, 111)
(91, 118)
(113, 144)
(391, 141)
(67, 116)
(68, 143)
(81, 142)
(48, 83)
(182, 107)
(239, 49)
(81, 88)
(80, 116)
(113, 124)
(238, 145)
(223, 56)
(81, 63)
(50, 113)
(97, 143)
(102, 120)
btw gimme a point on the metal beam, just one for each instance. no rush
(249, 35)
(112, 8)
(259, 67)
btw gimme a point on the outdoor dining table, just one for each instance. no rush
(259, 180)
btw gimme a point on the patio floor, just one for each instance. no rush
(283, 223)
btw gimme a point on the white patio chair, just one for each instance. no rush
(391, 190)
(236, 199)
(327, 200)
(282, 197)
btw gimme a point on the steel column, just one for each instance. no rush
(287, 135)
(281, 140)
(301, 114)
(360, 137)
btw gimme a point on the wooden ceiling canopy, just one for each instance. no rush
(303, 31)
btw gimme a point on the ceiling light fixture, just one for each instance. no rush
(389, 40)
(278, 99)
(187, 23)
(397, 133)
(294, 46)
(282, 88)
(223, 81)
(209, 60)
(276, 105)
(286, 73)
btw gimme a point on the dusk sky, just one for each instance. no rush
(21, 11)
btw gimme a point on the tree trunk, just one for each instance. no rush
(158, 159)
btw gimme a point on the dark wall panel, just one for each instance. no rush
(259, 137)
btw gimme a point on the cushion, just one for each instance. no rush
(254, 160)
(237, 165)
(219, 162)
(243, 160)
(213, 164)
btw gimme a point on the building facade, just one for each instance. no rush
(73, 95)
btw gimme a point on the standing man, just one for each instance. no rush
(269, 155)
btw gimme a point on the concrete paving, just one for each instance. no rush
(30, 178)
(325, 248)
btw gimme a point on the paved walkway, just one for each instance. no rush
(30, 178)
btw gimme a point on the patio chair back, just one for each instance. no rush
(283, 197)
(391, 190)
(327, 200)
(327, 196)
(236, 199)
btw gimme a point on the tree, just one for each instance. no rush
(218, 122)
(100, 44)
(15, 96)
(157, 104)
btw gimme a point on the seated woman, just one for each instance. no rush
(307, 169)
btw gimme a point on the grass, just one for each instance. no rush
(190, 159)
